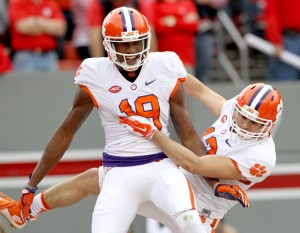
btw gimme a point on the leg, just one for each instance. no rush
(153, 226)
(47, 61)
(63, 194)
(118, 201)
(73, 190)
(24, 61)
(3, 228)
(177, 199)
(149, 210)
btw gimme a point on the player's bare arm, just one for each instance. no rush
(62, 138)
(183, 124)
(213, 166)
(209, 98)
(184, 127)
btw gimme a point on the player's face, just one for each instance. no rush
(247, 124)
(129, 48)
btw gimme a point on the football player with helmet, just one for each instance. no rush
(129, 81)
(119, 30)
(240, 146)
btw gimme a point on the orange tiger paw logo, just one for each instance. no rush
(258, 170)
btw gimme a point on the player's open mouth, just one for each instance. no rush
(131, 60)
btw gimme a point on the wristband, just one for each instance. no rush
(30, 188)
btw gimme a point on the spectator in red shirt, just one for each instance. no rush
(176, 23)
(34, 26)
(283, 31)
(96, 12)
(5, 63)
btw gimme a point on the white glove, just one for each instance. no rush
(138, 125)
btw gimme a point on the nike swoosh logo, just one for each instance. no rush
(227, 141)
(144, 129)
(148, 83)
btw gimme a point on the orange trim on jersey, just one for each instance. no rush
(208, 131)
(214, 223)
(236, 165)
(191, 194)
(85, 88)
(246, 182)
(211, 141)
(44, 201)
(179, 81)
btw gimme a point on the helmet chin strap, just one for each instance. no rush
(129, 67)
(138, 63)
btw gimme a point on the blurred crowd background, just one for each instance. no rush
(56, 35)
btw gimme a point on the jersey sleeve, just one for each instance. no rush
(227, 106)
(176, 65)
(86, 79)
(255, 164)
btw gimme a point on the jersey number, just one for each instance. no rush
(140, 103)
(211, 141)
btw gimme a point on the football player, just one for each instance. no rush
(129, 81)
(240, 146)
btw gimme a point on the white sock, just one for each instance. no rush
(39, 205)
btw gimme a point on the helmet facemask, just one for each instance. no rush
(110, 42)
(243, 136)
(255, 112)
(126, 25)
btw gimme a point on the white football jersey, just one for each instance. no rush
(255, 163)
(147, 96)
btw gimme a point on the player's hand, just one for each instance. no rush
(26, 200)
(138, 125)
(232, 192)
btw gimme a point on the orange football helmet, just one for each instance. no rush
(126, 25)
(260, 103)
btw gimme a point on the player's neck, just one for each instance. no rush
(131, 76)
